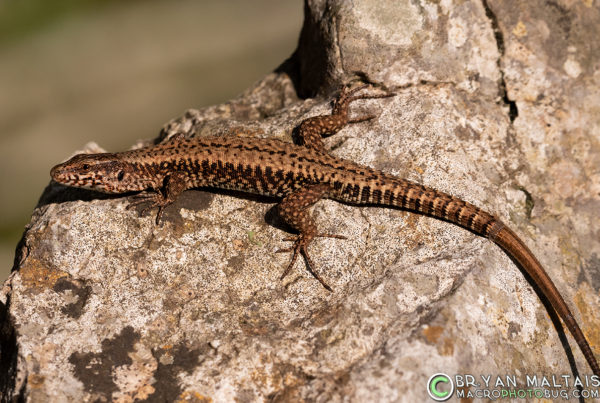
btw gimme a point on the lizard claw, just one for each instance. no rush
(299, 247)
(155, 200)
(140, 199)
(362, 119)
(295, 238)
(347, 96)
(336, 236)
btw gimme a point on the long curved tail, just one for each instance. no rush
(408, 195)
(516, 249)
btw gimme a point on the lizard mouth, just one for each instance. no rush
(64, 176)
(58, 174)
(61, 175)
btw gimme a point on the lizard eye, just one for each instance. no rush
(85, 166)
(120, 175)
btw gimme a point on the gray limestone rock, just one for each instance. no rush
(497, 103)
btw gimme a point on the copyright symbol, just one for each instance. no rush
(440, 387)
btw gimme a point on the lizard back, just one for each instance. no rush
(273, 167)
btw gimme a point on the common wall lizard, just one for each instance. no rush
(300, 174)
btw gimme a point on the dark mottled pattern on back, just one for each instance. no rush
(264, 166)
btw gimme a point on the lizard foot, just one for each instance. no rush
(299, 247)
(155, 200)
(348, 96)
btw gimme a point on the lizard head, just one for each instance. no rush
(101, 172)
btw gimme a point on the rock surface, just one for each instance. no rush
(497, 103)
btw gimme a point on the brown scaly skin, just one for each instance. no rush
(301, 175)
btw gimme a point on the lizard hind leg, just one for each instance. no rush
(293, 209)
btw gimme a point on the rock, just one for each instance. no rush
(495, 104)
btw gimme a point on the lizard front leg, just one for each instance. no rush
(311, 130)
(293, 209)
(173, 185)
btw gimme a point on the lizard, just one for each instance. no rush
(300, 174)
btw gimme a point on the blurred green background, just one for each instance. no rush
(74, 71)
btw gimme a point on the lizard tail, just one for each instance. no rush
(427, 201)
(516, 249)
